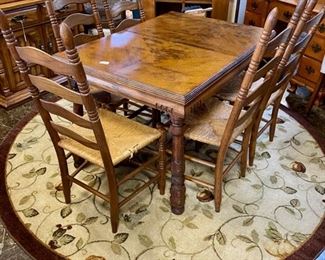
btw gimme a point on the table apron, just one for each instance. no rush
(150, 100)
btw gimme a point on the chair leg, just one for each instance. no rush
(114, 212)
(274, 117)
(126, 108)
(156, 117)
(219, 177)
(162, 161)
(245, 145)
(66, 183)
(252, 143)
(114, 206)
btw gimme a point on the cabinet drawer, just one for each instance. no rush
(321, 28)
(28, 16)
(253, 19)
(285, 11)
(316, 48)
(309, 69)
(256, 6)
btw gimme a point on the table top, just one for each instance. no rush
(175, 56)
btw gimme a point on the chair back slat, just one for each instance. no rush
(65, 131)
(302, 44)
(58, 110)
(34, 55)
(290, 69)
(273, 45)
(43, 83)
(78, 19)
(126, 24)
(266, 68)
(247, 117)
(82, 38)
(258, 93)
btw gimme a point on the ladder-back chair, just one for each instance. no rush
(230, 90)
(116, 12)
(302, 35)
(101, 137)
(79, 22)
(117, 22)
(219, 124)
(75, 20)
(307, 32)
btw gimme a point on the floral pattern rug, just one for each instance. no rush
(266, 215)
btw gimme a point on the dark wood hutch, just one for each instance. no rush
(31, 25)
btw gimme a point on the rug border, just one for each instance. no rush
(36, 249)
(31, 245)
(315, 244)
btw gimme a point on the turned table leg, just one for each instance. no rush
(177, 190)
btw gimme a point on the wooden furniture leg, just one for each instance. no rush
(312, 100)
(177, 190)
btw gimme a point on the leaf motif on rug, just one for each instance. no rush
(266, 215)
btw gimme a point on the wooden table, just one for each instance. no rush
(171, 63)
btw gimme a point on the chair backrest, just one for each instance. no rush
(240, 115)
(296, 47)
(308, 31)
(296, 34)
(74, 69)
(118, 9)
(76, 20)
(301, 5)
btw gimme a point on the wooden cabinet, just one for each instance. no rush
(256, 12)
(309, 69)
(31, 26)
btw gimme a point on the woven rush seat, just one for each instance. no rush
(100, 137)
(124, 137)
(210, 125)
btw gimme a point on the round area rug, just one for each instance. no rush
(268, 214)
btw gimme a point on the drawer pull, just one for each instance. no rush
(287, 14)
(316, 47)
(20, 19)
(321, 28)
(310, 70)
(254, 5)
